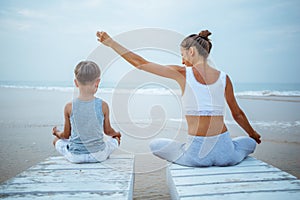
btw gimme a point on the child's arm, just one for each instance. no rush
(108, 130)
(67, 127)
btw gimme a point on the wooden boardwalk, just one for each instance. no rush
(251, 179)
(56, 178)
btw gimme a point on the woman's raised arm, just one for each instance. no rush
(168, 71)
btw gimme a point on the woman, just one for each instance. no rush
(205, 91)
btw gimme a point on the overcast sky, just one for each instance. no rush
(253, 40)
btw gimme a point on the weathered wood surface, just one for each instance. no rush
(56, 178)
(251, 179)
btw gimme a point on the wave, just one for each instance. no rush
(141, 91)
(45, 88)
(257, 124)
(155, 91)
(270, 124)
(269, 93)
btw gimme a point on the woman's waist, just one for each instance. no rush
(208, 134)
(204, 112)
(205, 125)
(202, 136)
(204, 121)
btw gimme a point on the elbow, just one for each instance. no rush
(141, 64)
(67, 137)
(237, 116)
(64, 136)
(108, 131)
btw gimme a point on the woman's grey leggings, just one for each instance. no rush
(199, 151)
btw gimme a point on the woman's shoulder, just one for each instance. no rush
(180, 69)
(177, 67)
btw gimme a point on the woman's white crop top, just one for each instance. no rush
(204, 100)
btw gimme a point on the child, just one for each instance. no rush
(86, 118)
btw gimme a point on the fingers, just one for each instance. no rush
(258, 140)
(117, 134)
(104, 38)
(119, 140)
(54, 130)
(99, 34)
(256, 137)
(102, 35)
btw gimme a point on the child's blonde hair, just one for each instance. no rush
(87, 72)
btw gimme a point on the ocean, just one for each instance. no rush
(152, 102)
(143, 98)
(241, 89)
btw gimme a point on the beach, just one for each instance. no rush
(28, 115)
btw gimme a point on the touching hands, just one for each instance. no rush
(256, 137)
(55, 131)
(104, 38)
(117, 136)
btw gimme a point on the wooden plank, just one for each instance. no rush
(244, 187)
(274, 195)
(56, 178)
(117, 165)
(223, 170)
(231, 178)
(251, 179)
(68, 196)
(123, 163)
(91, 186)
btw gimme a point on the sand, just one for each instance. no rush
(28, 115)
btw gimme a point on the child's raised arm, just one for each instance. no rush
(67, 127)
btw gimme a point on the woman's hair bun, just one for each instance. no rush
(204, 34)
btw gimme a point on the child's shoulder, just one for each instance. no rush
(104, 104)
(68, 105)
(105, 107)
(99, 100)
(68, 108)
